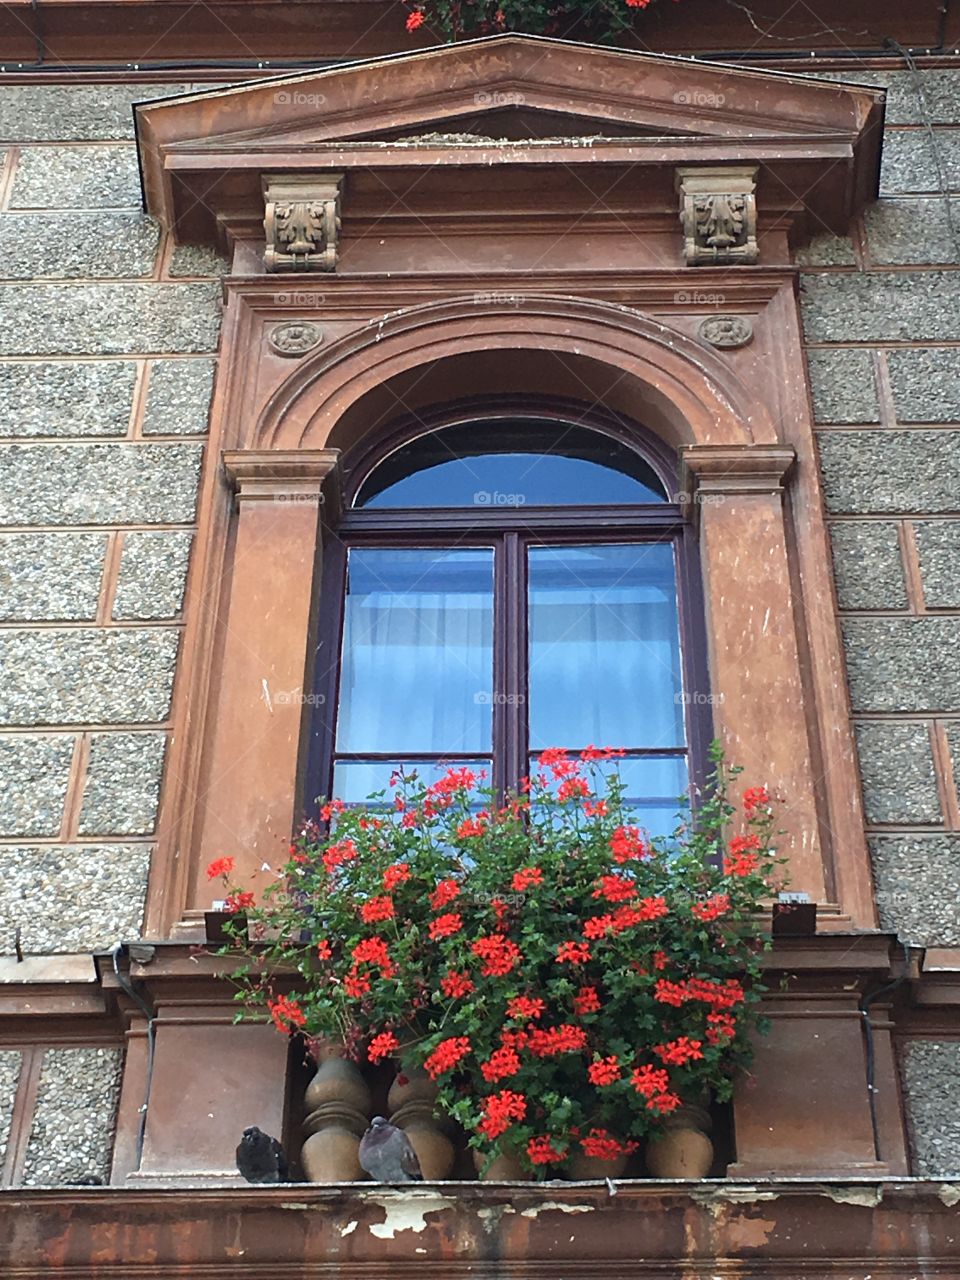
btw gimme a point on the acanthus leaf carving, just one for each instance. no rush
(302, 222)
(718, 213)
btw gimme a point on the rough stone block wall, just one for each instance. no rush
(882, 319)
(107, 346)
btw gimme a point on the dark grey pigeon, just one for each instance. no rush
(386, 1153)
(260, 1158)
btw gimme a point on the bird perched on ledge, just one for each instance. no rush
(260, 1158)
(386, 1154)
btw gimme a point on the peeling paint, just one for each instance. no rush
(711, 1196)
(949, 1194)
(866, 1197)
(349, 1229)
(535, 1210)
(407, 1212)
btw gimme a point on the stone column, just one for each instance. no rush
(248, 782)
(762, 711)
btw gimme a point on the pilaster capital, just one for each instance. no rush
(729, 469)
(284, 475)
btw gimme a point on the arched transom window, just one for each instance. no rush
(503, 585)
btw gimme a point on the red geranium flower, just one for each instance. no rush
(286, 1014)
(586, 1001)
(604, 1071)
(445, 925)
(573, 953)
(602, 1145)
(382, 1046)
(626, 844)
(324, 951)
(356, 984)
(711, 908)
(500, 1064)
(573, 789)
(471, 827)
(500, 1110)
(238, 901)
(498, 955)
(526, 878)
(445, 892)
(755, 798)
(416, 19)
(549, 1042)
(454, 985)
(335, 855)
(377, 909)
(595, 808)
(680, 1051)
(524, 1007)
(446, 1056)
(399, 873)
(220, 867)
(649, 1081)
(616, 888)
(542, 1151)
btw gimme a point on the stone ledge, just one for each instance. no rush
(628, 1228)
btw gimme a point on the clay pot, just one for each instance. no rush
(584, 1168)
(683, 1148)
(412, 1103)
(505, 1167)
(338, 1110)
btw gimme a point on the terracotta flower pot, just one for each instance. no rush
(505, 1167)
(338, 1110)
(683, 1148)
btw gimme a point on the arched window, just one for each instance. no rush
(502, 583)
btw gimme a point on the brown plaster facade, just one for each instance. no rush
(556, 266)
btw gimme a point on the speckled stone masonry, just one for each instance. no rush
(903, 664)
(916, 885)
(881, 306)
(899, 781)
(197, 260)
(938, 544)
(910, 161)
(99, 483)
(99, 677)
(10, 1060)
(92, 398)
(911, 231)
(153, 574)
(178, 397)
(34, 773)
(878, 472)
(843, 385)
(930, 1070)
(123, 784)
(868, 569)
(84, 177)
(74, 113)
(33, 585)
(926, 383)
(109, 319)
(71, 897)
(108, 245)
(71, 1139)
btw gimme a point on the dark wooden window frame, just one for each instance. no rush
(510, 532)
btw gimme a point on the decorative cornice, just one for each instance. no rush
(718, 213)
(728, 469)
(281, 475)
(302, 222)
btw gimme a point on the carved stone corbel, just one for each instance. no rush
(302, 222)
(718, 213)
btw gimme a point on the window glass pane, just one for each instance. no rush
(509, 465)
(654, 787)
(355, 780)
(417, 662)
(604, 647)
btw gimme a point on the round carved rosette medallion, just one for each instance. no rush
(726, 331)
(295, 338)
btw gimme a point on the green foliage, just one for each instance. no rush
(564, 979)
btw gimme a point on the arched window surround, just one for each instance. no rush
(519, 529)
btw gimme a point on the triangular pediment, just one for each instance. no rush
(523, 95)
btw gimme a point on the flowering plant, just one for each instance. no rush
(568, 19)
(564, 979)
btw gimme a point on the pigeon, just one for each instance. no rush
(260, 1158)
(386, 1153)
